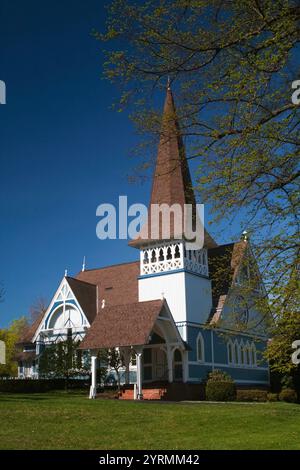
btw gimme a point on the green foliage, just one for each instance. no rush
(11, 336)
(252, 395)
(219, 376)
(63, 360)
(220, 387)
(272, 397)
(115, 361)
(289, 395)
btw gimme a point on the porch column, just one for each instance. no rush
(93, 388)
(185, 366)
(127, 357)
(170, 364)
(139, 373)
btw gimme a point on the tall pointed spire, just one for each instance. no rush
(172, 183)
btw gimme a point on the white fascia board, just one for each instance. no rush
(48, 310)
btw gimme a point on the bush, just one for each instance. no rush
(289, 395)
(39, 385)
(272, 397)
(252, 395)
(219, 376)
(220, 387)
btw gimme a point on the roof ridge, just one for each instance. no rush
(109, 266)
(79, 280)
(132, 303)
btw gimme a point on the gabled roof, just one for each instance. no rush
(123, 325)
(223, 263)
(25, 356)
(117, 284)
(86, 296)
(172, 183)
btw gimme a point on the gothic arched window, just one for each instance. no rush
(253, 355)
(236, 358)
(242, 353)
(200, 348)
(230, 352)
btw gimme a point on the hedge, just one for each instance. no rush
(252, 395)
(220, 391)
(272, 397)
(289, 395)
(40, 385)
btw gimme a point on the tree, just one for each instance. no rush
(11, 336)
(38, 308)
(232, 64)
(64, 360)
(285, 332)
(115, 362)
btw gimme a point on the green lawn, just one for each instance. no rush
(71, 421)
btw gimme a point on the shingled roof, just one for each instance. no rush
(172, 183)
(123, 325)
(223, 262)
(117, 284)
(86, 295)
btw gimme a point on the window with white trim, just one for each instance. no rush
(200, 348)
(241, 354)
(230, 352)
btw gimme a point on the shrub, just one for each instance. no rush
(219, 376)
(252, 395)
(220, 387)
(272, 397)
(289, 395)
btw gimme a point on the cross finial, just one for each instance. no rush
(169, 83)
(83, 264)
(245, 236)
(66, 272)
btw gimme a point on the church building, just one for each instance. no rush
(175, 314)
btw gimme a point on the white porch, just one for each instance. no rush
(162, 359)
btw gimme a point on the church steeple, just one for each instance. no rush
(167, 264)
(172, 182)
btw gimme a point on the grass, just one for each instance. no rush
(71, 421)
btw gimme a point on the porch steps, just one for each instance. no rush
(148, 394)
(165, 391)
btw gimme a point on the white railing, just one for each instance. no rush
(173, 256)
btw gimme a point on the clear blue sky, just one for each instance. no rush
(62, 150)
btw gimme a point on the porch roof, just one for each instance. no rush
(123, 325)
